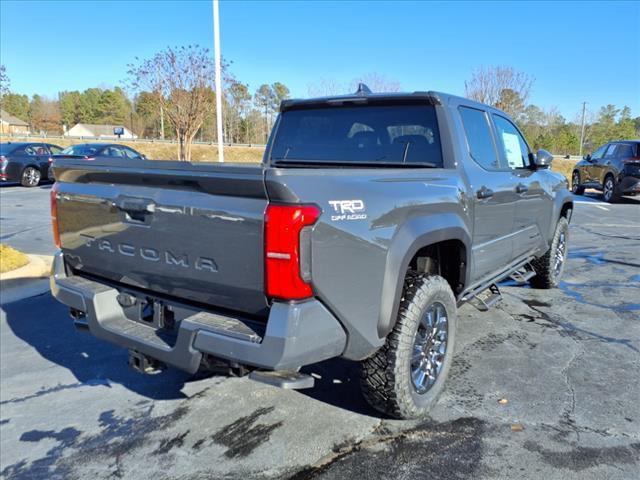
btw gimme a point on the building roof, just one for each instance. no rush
(11, 120)
(101, 130)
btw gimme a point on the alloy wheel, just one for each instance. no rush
(429, 348)
(31, 176)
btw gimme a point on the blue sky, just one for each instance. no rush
(577, 51)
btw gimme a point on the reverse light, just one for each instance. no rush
(54, 215)
(287, 249)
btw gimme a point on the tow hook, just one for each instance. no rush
(142, 363)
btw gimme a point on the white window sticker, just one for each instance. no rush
(512, 149)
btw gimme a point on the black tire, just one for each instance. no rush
(386, 377)
(610, 192)
(30, 177)
(548, 272)
(576, 189)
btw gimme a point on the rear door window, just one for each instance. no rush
(479, 138)
(371, 134)
(624, 150)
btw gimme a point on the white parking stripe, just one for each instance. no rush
(595, 204)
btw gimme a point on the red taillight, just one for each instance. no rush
(283, 226)
(3, 160)
(54, 215)
(50, 160)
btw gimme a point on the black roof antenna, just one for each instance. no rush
(363, 89)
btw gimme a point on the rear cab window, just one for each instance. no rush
(385, 135)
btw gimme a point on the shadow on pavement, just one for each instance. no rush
(44, 324)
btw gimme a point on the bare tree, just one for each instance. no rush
(500, 86)
(4, 81)
(326, 87)
(377, 83)
(182, 81)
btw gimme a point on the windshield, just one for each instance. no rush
(402, 134)
(80, 150)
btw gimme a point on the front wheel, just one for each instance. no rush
(576, 189)
(406, 375)
(550, 266)
(30, 177)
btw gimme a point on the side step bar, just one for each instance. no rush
(290, 379)
(520, 273)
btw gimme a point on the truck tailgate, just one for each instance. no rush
(193, 231)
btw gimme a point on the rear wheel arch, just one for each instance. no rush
(410, 248)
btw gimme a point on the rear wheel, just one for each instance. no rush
(576, 189)
(407, 374)
(609, 191)
(30, 177)
(550, 266)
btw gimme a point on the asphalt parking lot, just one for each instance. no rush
(567, 361)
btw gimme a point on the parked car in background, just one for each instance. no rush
(26, 162)
(93, 150)
(614, 169)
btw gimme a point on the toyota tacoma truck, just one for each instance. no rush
(371, 218)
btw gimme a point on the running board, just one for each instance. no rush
(289, 379)
(485, 303)
(523, 275)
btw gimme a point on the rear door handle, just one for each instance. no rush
(522, 188)
(484, 192)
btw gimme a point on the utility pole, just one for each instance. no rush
(216, 48)
(584, 106)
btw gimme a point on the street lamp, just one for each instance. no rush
(216, 49)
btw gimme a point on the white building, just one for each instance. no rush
(99, 131)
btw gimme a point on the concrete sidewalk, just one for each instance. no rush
(27, 281)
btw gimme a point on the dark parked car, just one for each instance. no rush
(614, 169)
(93, 150)
(26, 162)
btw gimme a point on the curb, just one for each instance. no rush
(27, 281)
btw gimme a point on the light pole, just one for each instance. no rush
(584, 106)
(216, 48)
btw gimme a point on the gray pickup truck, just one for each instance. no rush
(370, 220)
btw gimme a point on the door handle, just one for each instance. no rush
(522, 188)
(135, 205)
(484, 192)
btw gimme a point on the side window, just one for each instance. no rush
(624, 150)
(611, 151)
(478, 133)
(599, 152)
(130, 153)
(511, 143)
(30, 150)
(55, 150)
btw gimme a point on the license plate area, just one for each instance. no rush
(151, 312)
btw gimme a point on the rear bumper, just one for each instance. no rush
(297, 334)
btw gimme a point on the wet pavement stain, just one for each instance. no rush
(119, 437)
(424, 452)
(167, 445)
(242, 437)
(582, 458)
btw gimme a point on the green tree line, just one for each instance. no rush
(249, 114)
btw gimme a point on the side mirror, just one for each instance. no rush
(143, 157)
(543, 159)
(588, 158)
